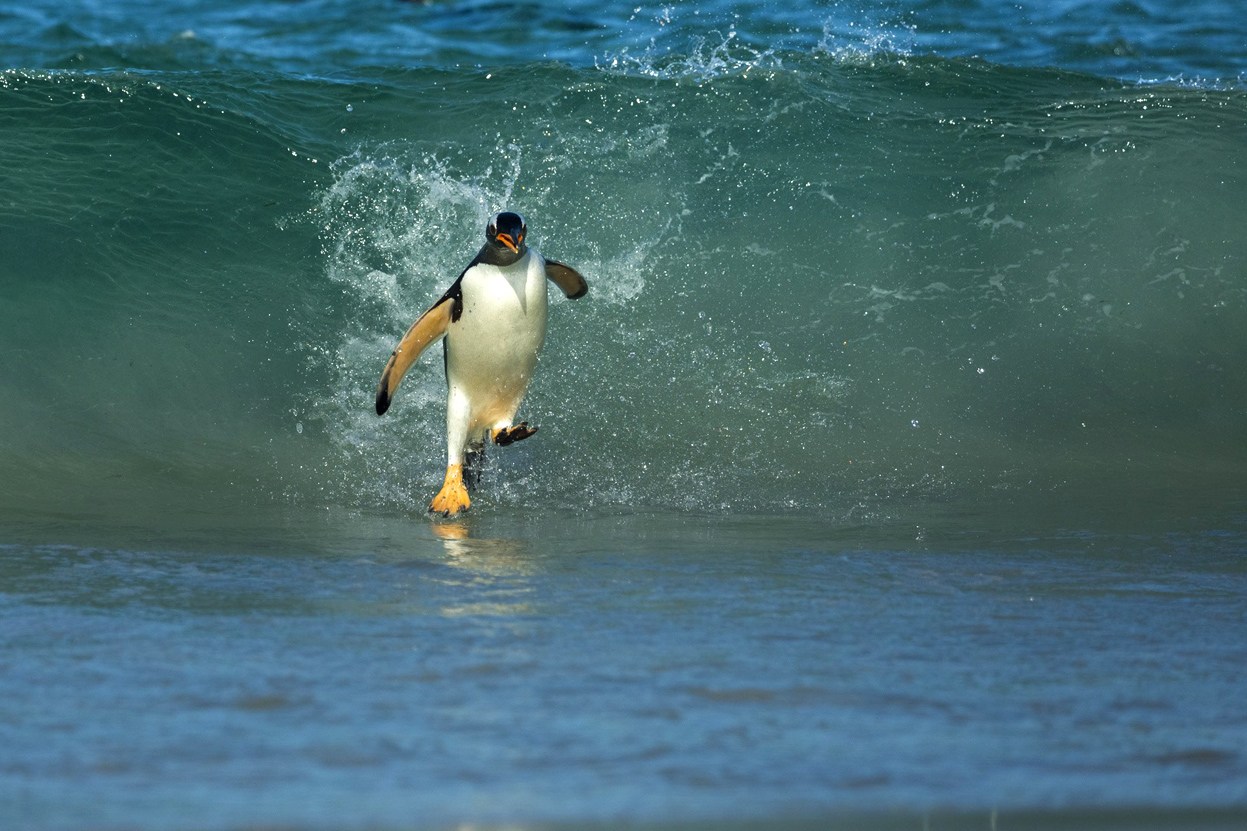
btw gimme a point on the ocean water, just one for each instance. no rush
(893, 473)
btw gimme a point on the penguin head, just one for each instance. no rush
(504, 236)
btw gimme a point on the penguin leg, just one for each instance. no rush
(474, 463)
(453, 497)
(503, 436)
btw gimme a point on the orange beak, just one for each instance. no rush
(506, 240)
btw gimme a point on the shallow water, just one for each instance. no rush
(890, 475)
(638, 668)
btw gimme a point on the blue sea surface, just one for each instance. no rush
(892, 474)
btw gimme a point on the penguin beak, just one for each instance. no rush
(506, 240)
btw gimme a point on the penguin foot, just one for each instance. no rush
(510, 435)
(453, 497)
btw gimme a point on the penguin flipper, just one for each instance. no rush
(567, 278)
(427, 330)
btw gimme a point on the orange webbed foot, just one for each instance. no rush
(453, 497)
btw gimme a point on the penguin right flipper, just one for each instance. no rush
(567, 278)
(427, 330)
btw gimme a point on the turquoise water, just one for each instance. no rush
(892, 472)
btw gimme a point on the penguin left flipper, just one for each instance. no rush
(567, 278)
(426, 331)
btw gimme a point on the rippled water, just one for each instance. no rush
(890, 475)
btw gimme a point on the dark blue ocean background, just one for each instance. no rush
(893, 474)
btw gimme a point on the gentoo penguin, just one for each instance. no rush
(493, 320)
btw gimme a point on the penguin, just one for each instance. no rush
(492, 323)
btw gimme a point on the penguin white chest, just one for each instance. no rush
(491, 350)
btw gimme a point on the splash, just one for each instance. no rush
(854, 42)
(712, 56)
(396, 225)
(681, 49)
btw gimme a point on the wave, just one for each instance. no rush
(821, 281)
